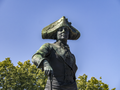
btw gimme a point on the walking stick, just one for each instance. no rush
(51, 78)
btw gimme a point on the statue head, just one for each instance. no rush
(62, 33)
(53, 30)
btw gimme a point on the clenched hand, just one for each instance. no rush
(47, 68)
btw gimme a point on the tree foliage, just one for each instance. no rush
(22, 77)
(26, 76)
(92, 84)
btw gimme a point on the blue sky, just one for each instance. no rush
(97, 51)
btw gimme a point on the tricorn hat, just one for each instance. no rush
(49, 31)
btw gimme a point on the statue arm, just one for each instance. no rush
(41, 55)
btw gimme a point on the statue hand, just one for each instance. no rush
(47, 68)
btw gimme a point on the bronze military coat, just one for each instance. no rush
(62, 62)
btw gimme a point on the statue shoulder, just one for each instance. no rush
(73, 56)
(46, 45)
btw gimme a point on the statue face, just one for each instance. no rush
(62, 33)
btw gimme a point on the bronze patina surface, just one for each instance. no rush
(49, 31)
(56, 58)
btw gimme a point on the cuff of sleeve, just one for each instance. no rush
(38, 61)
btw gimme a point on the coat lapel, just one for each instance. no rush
(66, 55)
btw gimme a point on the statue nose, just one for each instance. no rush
(63, 30)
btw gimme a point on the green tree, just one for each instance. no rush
(22, 77)
(26, 76)
(92, 84)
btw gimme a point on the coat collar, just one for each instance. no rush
(62, 45)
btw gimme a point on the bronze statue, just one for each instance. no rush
(55, 58)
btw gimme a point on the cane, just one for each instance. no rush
(51, 78)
